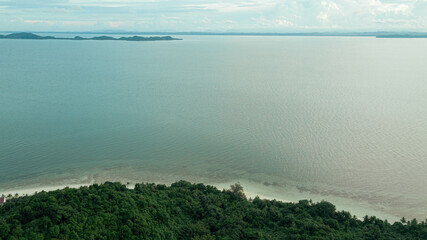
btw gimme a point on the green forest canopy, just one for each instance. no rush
(184, 211)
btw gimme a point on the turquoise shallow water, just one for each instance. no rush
(336, 117)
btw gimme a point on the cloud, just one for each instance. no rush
(330, 6)
(377, 7)
(40, 22)
(323, 17)
(380, 7)
(215, 15)
(78, 23)
(280, 21)
(65, 23)
(144, 21)
(115, 24)
(230, 6)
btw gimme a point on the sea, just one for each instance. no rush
(341, 119)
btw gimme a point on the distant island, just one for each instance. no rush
(185, 211)
(25, 35)
(403, 35)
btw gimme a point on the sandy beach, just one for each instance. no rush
(251, 189)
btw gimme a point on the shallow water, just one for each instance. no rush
(326, 116)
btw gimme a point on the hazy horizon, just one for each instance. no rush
(120, 31)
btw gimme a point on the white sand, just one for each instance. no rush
(33, 190)
(292, 194)
(252, 189)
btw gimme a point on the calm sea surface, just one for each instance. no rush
(327, 116)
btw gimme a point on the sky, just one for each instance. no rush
(278, 16)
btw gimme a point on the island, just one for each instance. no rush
(184, 210)
(25, 35)
(403, 35)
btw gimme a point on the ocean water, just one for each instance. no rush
(322, 117)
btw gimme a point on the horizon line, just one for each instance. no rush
(378, 34)
(225, 33)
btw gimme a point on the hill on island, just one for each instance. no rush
(184, 211)
(37, 37)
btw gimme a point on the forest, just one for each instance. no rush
(184, 211)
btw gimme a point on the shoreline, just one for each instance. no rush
(251, 190)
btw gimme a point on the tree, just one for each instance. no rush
(237, 191)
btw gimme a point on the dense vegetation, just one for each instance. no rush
(184, 211)
(37, 37)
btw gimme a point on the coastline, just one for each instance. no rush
(34, 190)
(251, 190)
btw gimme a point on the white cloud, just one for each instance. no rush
(328, 9)
(144, 21)
(173, 18)
(206, 20)
(280, 21)
(329, 6)
(40, 22)
(78, 23)
(215, 15)
(237, 6)
(115, 24)
(380, 7)
(377, 7)
(323, 17)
